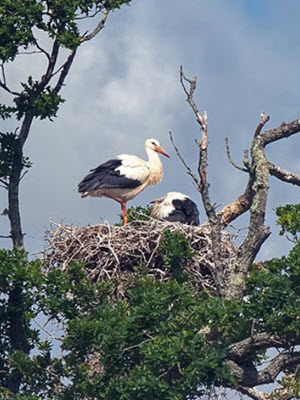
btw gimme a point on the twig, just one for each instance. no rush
(263, 120)
(230, 159)
(188, 169)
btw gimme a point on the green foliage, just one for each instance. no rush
(274, 285)
(136, 214)
(39, 372)
(57, 18)
(9, 150)
(162, 342)
(175, 250)
(289, 219)
(43, 104)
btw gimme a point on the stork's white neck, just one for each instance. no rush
(155, 166)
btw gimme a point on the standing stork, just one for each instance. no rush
(176, 207)
(125, 176)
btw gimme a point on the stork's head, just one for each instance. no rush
(154, 145)
(167, 200)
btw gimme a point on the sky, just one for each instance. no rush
(124, 88)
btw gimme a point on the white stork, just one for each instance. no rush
(176, 207)
(125, 176)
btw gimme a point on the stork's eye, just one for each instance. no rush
(154, 144)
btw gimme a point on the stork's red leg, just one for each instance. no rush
(123, 213)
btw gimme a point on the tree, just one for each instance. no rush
(23, 24)
(163, 339)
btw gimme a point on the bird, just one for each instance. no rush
(176, 207)
(125, 176)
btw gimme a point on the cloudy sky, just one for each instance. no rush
(124, 88)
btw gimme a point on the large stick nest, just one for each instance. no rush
(116, 252)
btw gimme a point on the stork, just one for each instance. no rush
(176, 207)
(125, 176)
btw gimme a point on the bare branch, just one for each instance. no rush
(3, 83)
(282, 131)
(189, 93)
(64, 70)
(4, 183)
(284, 175)
(230, 158)
(98, 28)
(42, 50)
(203, 186)
(263, 120)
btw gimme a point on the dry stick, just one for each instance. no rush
(284, 175)
(230, 158)
(203, 186)
(188, 169)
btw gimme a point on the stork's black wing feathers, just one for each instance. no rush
(106, 176)
(186, 211)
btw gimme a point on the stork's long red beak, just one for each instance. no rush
(162, 151)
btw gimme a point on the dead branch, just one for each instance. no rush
(284, 175)
(230, 158)
(281, 132)
(203, 185)
(97, 29)
(3, 83)
(188, 169)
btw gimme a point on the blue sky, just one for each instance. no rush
(124, 88)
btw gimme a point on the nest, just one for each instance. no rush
(117, 252)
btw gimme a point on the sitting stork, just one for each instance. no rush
(176, 207)
(122, 178)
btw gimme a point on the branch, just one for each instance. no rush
(231, 160)
(263, 120)
(247, 375)
(277, 365)
(283, 175)
(203, 185)
(51, 65)
(42, 50)
(239, 265)
(282, 131)
(188, 169)
(253, 393)
(237, 207)
(3, 84)
(98, 28)
(89, 16)
(4, 183)
(65, 70)
(241, 350)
